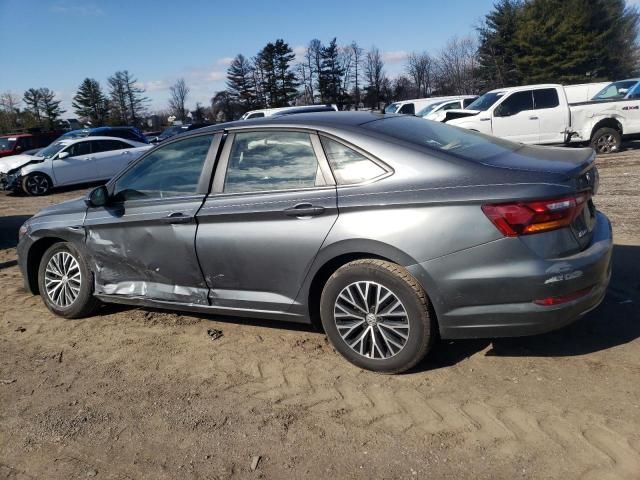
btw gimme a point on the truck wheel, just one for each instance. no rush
(606, 140)
(377, 316)
(36, 184)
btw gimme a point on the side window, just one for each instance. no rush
(545, 98)
(170, 171)
(515, 103)
(636, 92)
(450, 106)
(348, 165)
(80, 148)
(408, 109)
(256, 115)
(271, 161)
(468, 101)
(108, 145)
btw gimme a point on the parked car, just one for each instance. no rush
(621, 90)
(540, 114)
(269, 112)
(128, 133)
(67, 162)
(438, 111)
(22, 142)
(410, 107)
(583, 92)
(389, 229)
(175, 130)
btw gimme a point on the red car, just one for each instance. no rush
(22, 142)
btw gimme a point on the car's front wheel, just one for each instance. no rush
(377, 315)
(64, 281)
(36, 184)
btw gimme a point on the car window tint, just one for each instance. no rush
(348, 165)
(256, 115)
(171, 170)
(408, 109)
(271, 161)
(108, 145)
(516, 103)
(450, 106)
(81, 148)
(545, 98)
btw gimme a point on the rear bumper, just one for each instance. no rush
(489, 290)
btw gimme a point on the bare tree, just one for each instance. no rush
(458, 67)
(357, 52)
(179, 93)
(420, 68)
(375, 76)
(313, 62)
(9, 109)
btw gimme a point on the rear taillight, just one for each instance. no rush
(523, 218)
(551, 301)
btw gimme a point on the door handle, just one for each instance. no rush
(304, 210)
(177, 217)
(533, 118)
(485, 119)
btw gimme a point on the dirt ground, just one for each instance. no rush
(134, 393)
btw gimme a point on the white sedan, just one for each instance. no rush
(68, 162)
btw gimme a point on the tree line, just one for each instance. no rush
(518, 42)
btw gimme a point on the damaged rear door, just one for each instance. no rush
(143, 241)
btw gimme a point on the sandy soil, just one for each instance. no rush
(135, 393)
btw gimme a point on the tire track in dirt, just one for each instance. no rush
(600, 451)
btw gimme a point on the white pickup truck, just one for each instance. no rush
(540, 114)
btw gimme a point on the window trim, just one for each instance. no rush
(204, 182)
(511, 94)
(220, 173)
(388, 171)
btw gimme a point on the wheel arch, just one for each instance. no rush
(36, 172)
(608, 122)
(34, 256)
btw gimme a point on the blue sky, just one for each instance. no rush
(57, 43)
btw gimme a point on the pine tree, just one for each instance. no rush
(240, 82)
(33, 100)
(569, 41)
(286, 77)
(50, 107)
(498, 50)
(90, 103)
(331, 72)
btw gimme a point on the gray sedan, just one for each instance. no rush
(389, 231)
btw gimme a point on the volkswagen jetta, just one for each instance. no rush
(390, 230)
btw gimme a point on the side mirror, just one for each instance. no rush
(98, 197)
(62, 155)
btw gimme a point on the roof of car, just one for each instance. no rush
(93, 138)
(17, 135)
(308, 120)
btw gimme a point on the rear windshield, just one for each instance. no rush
(444, 138)
(615, 90)
(7, 143)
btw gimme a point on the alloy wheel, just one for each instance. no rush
(63, 279)
(37, 184)
(371, 320)
(606, 144)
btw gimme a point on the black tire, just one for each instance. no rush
(84, 303)
(606, 140)
(383, 276)
(36, 184)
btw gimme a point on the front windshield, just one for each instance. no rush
(485, 101)
(391, 108)
(428, 109)
(7, 143)
(615, 90)
(51, 150)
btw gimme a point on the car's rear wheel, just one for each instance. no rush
(36, 184)
(64, 281)
(606, 140)
(377, 315)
